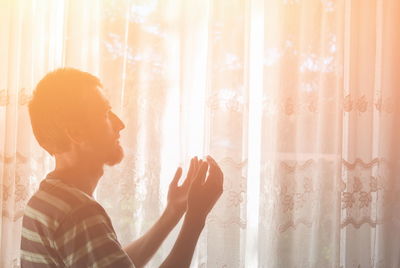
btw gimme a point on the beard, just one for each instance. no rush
(115, 155)
(103, 152)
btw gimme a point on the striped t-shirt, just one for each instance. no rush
(65, 227)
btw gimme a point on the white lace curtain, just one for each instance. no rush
(295, 99)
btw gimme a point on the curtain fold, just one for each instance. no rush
(296, 100)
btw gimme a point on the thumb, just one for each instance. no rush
(177, 176)
(201, 173)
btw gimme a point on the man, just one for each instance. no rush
(63, 225)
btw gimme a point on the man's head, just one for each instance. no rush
(69, 113)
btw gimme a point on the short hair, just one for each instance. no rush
(58, 102)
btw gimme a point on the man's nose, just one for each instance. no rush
(121, 124)
(118, 124)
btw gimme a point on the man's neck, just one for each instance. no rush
(83, 177)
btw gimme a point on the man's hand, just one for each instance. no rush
(177, 195)
(203, 194)
(141, 250)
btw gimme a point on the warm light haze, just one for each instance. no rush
(296, 100)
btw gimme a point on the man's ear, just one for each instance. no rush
(75, 135)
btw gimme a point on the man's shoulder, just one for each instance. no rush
(55, 201)
(65, 227)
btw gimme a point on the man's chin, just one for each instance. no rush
(115, 157)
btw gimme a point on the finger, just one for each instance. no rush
(210, 159)
(196, 163)
(215, 179)
(199, 163)
(214, 164)
(177, 176)
(201, 173)
(191, 173)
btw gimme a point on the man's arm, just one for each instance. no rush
(141, 250)
(182, 252)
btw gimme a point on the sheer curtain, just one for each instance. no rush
(296, 100)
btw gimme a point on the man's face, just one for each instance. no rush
(102, 140)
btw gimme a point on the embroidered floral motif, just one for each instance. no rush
(308, 187)
(358, 161)
(312, 104)
(348, 200)
(293, 224)
(21, 192)
(347, 104)
(289, 106)
(357, 185)
(23, 97)
(309, 103)
(373, 184)
(227, 100)
(235, 198)
(6, 192)
(365, 199)
(362, 104)
(4, 98)
(287, 202)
